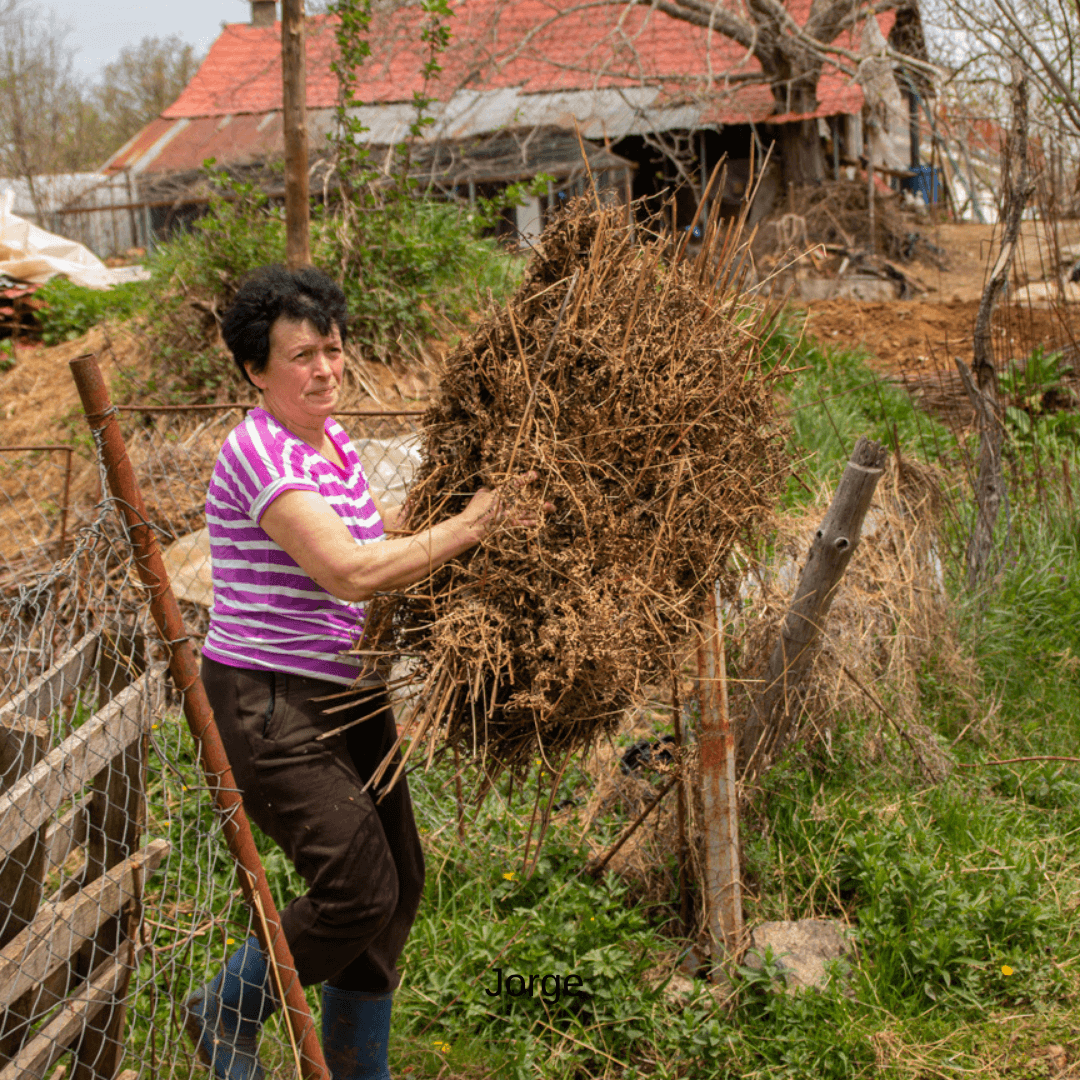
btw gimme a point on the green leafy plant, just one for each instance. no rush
(70, 310)
(1040, 403)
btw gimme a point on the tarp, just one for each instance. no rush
(29, 253)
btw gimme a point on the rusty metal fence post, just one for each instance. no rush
(101, 418)
(719, 791)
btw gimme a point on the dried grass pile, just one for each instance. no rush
(632, 383)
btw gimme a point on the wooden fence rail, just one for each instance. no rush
(69, 940)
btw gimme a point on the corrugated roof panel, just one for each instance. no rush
(135, 147)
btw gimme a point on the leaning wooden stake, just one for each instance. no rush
(719, 792)
(184, 669)
(834, 544)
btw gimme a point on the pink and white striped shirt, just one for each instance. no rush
(268, 614)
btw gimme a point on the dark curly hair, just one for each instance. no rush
(270, 293)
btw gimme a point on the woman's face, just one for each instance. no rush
(302, 378)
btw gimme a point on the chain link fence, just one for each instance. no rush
(118, 895)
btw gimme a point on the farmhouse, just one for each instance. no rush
(654, 99)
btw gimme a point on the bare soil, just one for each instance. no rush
(913, 335)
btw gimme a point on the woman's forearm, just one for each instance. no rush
(306, 527)
(392, 564)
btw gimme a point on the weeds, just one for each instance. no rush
(70, 310)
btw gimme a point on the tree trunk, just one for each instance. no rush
(776, 705)
(982, 389)
(802, 158)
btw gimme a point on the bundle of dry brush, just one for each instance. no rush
(631, 381)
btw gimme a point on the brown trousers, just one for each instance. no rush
(362, 861)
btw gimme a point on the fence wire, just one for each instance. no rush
(118, 896)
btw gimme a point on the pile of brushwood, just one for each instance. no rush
(631, 381)
(837, 215)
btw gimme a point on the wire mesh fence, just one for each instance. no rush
(35, 492)
(118, 894)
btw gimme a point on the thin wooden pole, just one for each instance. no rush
(684, 850)
(719, 792)
(294, 115)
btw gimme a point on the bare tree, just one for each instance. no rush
(142, 82)
(41, 108)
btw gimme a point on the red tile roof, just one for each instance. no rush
(504, 43)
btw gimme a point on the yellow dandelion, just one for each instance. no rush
(510, 876)
(1006, 970)
(230, 941)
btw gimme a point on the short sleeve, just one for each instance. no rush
(273, 463)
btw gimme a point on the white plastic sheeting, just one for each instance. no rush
(29, 253)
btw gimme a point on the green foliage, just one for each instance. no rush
(410, 268)
(72, 309)
(1040, 405)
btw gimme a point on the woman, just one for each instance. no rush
(298, 545)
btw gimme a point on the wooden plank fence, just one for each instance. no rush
(69, 940)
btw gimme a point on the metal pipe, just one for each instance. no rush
(723, 887)
(101, 418)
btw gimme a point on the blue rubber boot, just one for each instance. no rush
(224, 1017)
(356, 1033)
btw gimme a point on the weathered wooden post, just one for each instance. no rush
(719, 791)
(834, 544)
(294, 118)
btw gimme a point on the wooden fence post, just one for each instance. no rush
(719, 792)
(834, 543)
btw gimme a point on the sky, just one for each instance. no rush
(101, 28)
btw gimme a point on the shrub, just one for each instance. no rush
(70, 310)
(409, 267)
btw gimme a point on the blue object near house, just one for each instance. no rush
(926, 182)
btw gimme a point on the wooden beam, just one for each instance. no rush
(24, 740)
(294, 118)
(43, 696)
(63, 773)
(61, 928)
(65, 835)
